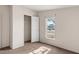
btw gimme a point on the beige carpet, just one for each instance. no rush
(35, 48)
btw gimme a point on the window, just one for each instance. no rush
(50, 24)
(50, 28)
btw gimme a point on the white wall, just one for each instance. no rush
(18, 13)
(67, 28)
(27, 28)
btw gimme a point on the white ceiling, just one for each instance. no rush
(46, 7)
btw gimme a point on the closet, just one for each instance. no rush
(27, 28)
(4, 26)
(31, 28)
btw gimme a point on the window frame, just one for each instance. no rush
(46, 26)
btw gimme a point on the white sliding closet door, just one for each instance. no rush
(5, 31)
(34, 29)
(4, 26)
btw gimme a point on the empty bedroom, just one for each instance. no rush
(39, 29)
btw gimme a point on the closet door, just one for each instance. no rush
(5, 29)
(0, 31)
(34, 29)
(4, 26)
